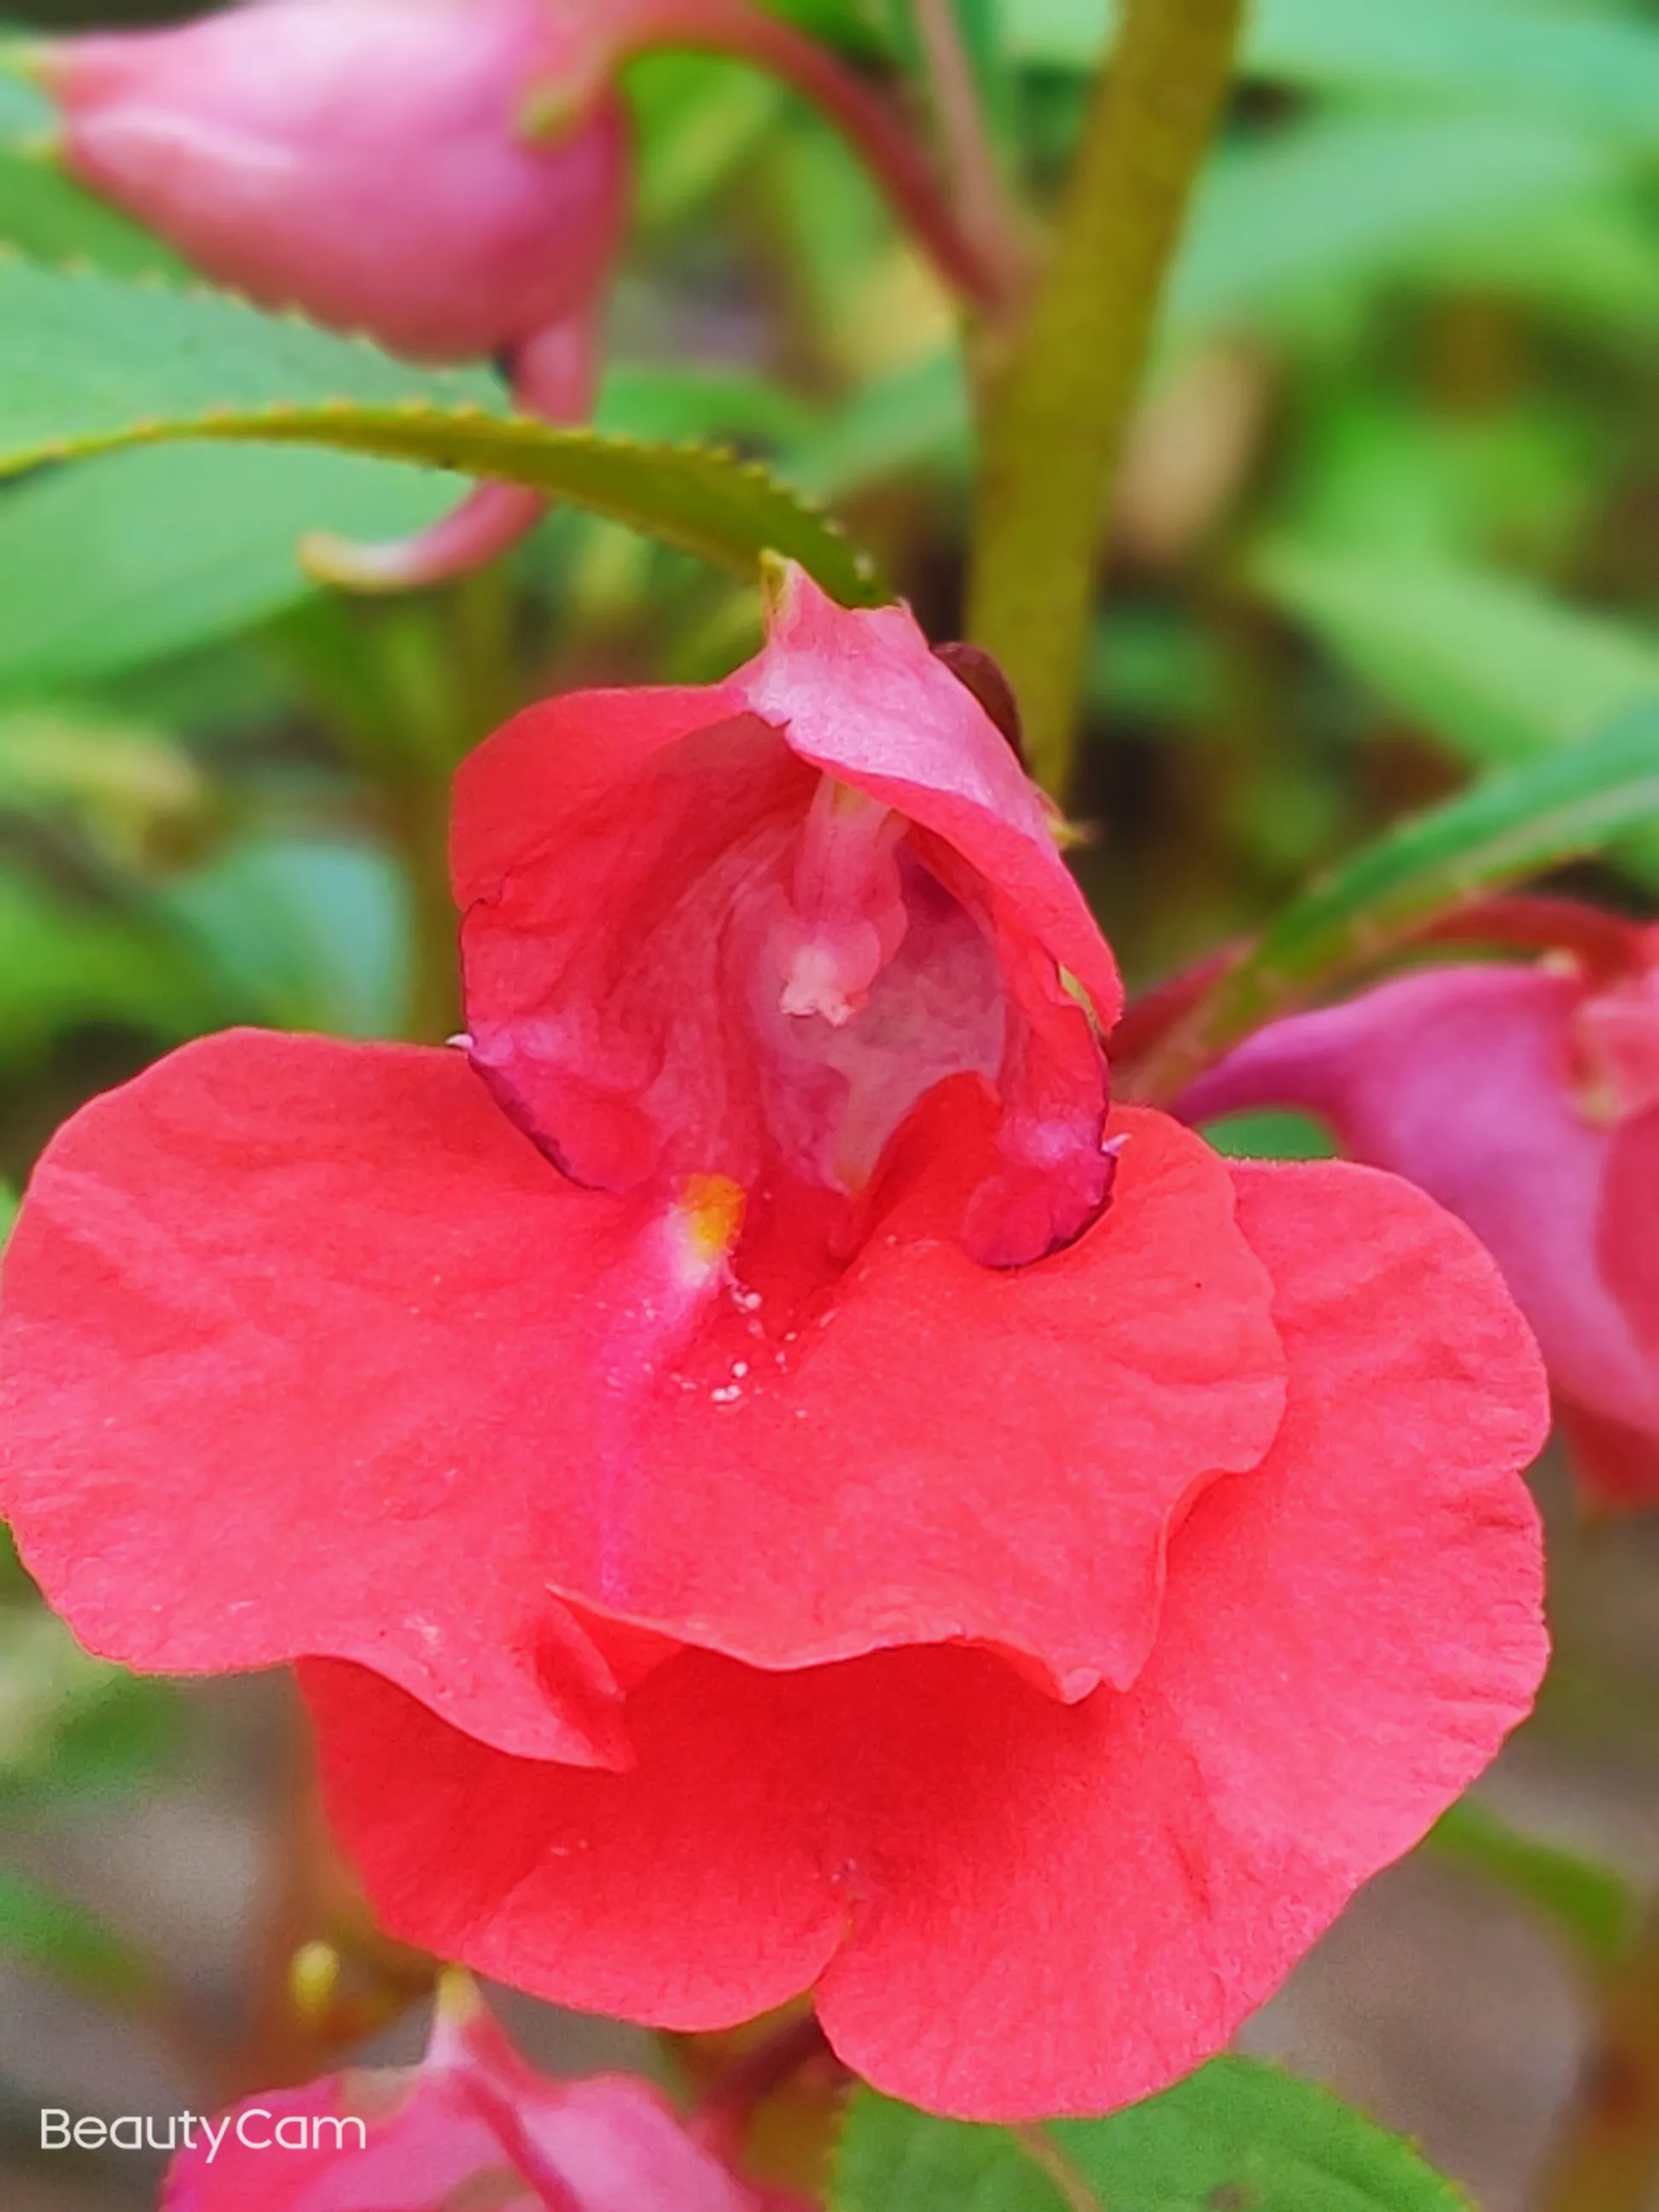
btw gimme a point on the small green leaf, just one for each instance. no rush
(1269, 1133)
(8, 1212)
(1552, 811)
(46, 216)
(1237, 2136)
(171, 547)
(919, 417)
(302, 935)
(1598, 72)
(223, 560)
(1497, 670)
(43, 1930)
(1589, 1902)
(88, 365)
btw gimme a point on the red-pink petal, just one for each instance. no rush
(305, 1350)
(695, 928)
(276, 1318)
(1628, 1243)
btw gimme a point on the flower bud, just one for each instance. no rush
(384, 167)
(473, 2126)
(362, 161)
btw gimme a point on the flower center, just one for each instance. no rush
(847, 915)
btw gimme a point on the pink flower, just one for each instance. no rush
(365, 161)
(1527, 1101)
(472, 2129)
(370, 162)
(777, 1484)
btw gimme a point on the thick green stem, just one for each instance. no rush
(1607, 2157)
(1059, 410)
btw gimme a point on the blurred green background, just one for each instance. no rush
(1387, 521)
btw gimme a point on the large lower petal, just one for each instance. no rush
(1011, 1907)
(923, 1449)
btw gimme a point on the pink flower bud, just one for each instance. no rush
(386, 167)
(472, 2129)
(367, 161)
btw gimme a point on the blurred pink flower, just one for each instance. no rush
(472, 2127)
(1526, 1099)
(370, 163)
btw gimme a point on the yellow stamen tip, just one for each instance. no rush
(314, 1981)
(712, 1207)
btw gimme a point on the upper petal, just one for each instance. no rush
(726, 931)
(862, 696)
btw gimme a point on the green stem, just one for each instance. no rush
(1607, 2157)
(1059, 409)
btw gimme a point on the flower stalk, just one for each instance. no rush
(975, 266)
(1060, 408)
(984, 207)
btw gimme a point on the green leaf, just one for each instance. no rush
(1551, 811)
(88, 365)
(916, 418)
(1492, 665)
(224, 559)
(133, 557)
(1337, 193)
(698, 119)
(302, 935)
(1237, 2136)
(25, 110)
(1269, 1133)
(1600, 74)
(46, 216)
(1591, 1903)
(8, 1212)
(41, 1928)
(674, 404)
